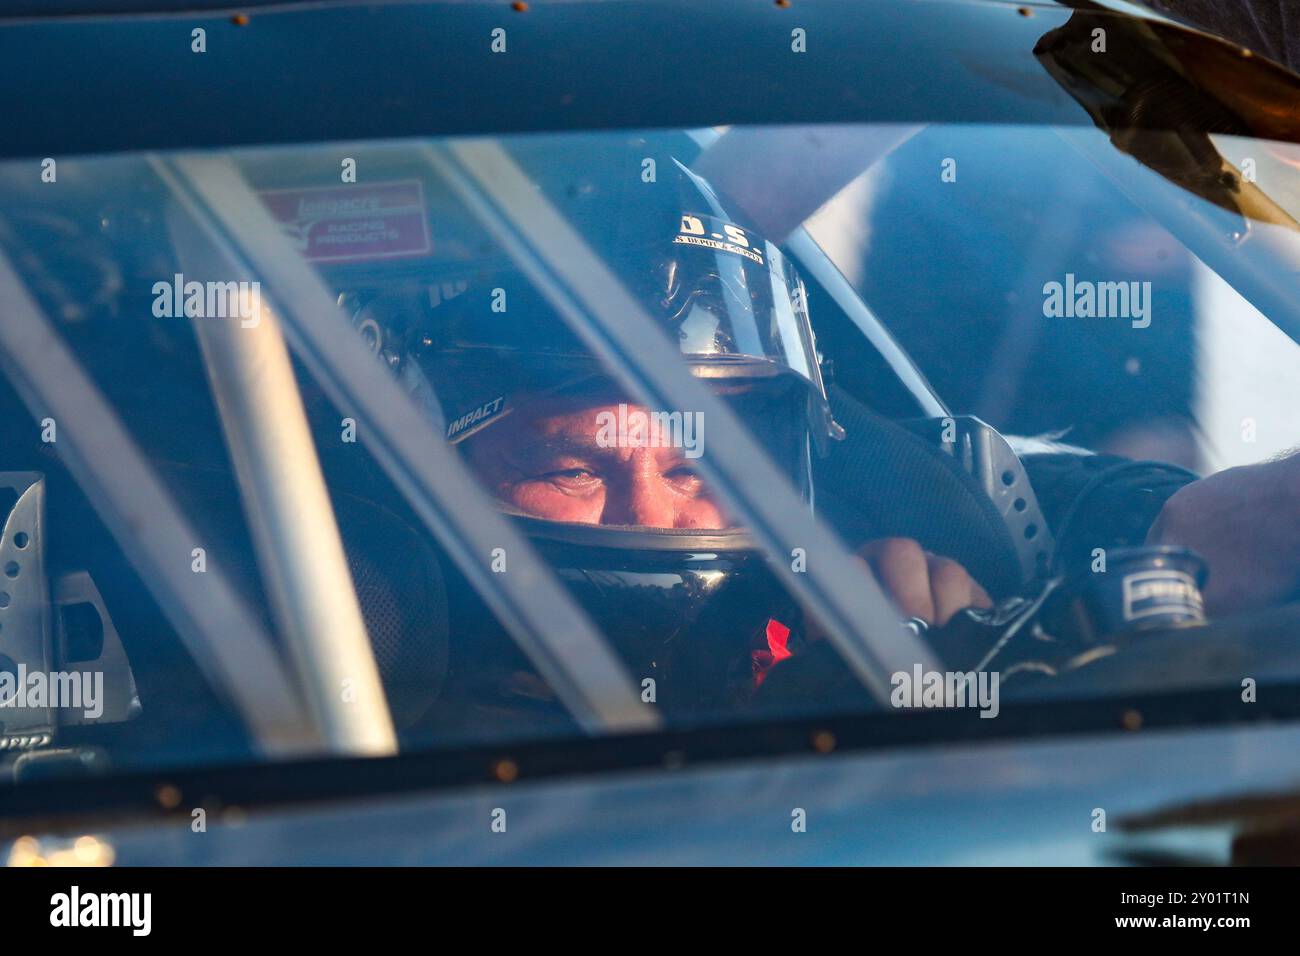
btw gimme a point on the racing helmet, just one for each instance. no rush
(691, 608)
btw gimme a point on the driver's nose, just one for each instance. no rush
(642, 498)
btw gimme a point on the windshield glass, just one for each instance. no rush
(990, 354)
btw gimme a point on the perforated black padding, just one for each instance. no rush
(402, 594)
(884, 481)
(398, 580)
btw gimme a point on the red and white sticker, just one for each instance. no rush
(353, 223)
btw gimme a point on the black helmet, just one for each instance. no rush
(684, 606)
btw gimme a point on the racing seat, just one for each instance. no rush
(397, 576)
(884, 480)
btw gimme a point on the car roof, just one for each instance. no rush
(305, 72)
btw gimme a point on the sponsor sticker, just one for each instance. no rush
(716, 234)
(353, 223)
(475, 418)
(1159, 592)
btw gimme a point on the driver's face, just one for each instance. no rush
(548, 460)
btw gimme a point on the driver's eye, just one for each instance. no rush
(684, 475)
(570, 477)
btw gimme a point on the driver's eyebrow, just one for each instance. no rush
(539, 450)
(558, 444)
(542, 448)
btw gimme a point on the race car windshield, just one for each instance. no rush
(654, 438)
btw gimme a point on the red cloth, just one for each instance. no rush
(778, 636)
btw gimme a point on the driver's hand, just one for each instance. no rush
(922, 584)
(1245, 523)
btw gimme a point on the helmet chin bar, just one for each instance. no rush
(681, 606)
(57, 640)
(633, 537)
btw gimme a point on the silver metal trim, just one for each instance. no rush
(25, 620)
(121, 697)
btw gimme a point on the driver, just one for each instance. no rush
(609, 492)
